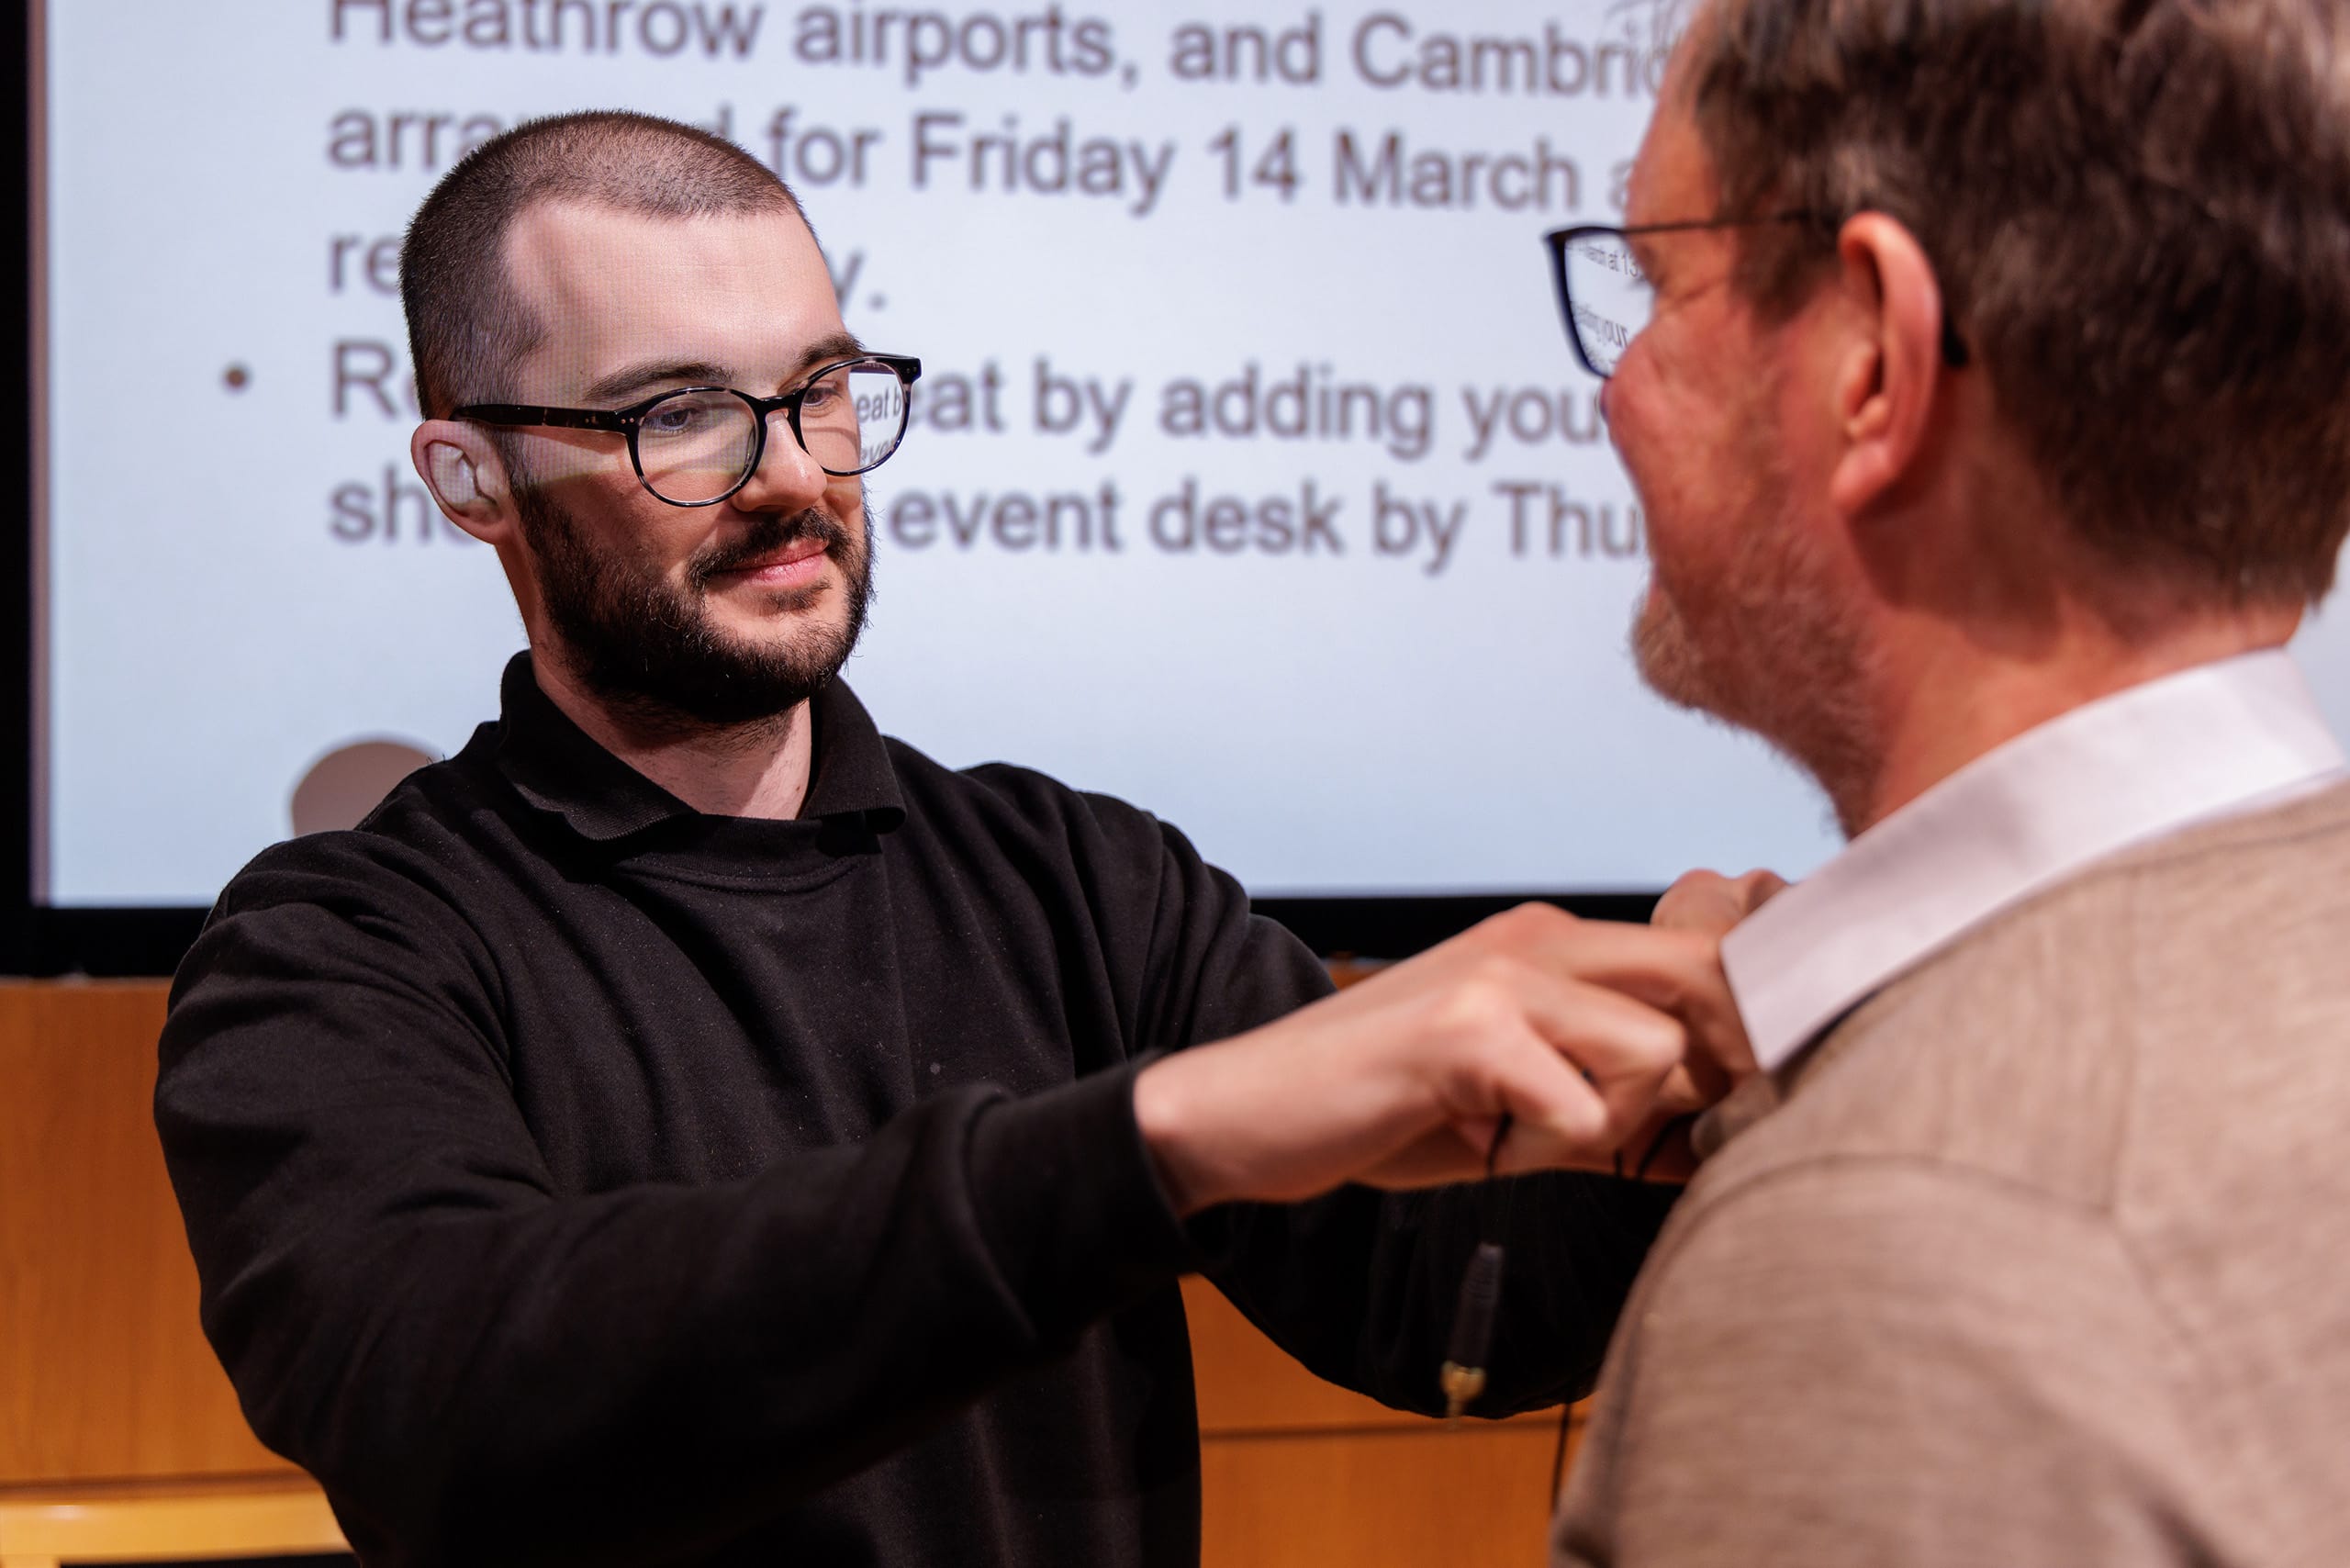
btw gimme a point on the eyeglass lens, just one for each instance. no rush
(1612, 298)
(697, 446)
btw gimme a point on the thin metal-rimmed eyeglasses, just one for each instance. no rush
(694, 446)
(1606, 298)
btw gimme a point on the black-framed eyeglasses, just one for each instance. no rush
(1607, 299)
(694, 446)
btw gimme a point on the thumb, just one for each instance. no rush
(1711, 904)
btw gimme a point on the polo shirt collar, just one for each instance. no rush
(558, 767)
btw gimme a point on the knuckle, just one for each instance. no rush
(1527, 923)
(1586, 1121)
(1659, 1044)
(1477, 1008)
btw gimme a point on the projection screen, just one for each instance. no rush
(1251, 479)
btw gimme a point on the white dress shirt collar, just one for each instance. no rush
(2204, 743)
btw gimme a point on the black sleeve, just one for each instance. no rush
(1361, 1285)
(480, 1371)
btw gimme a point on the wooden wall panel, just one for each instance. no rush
(104, 1373)
(1478, 1497)
(1297, 1472)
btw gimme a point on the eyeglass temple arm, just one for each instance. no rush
(532, 414)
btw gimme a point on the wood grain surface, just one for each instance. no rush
(103, 1372)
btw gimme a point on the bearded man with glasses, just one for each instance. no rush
(686, 1126)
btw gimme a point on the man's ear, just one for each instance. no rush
(461, 466)
(1887, 383)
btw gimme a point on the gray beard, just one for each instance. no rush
(1770, 649)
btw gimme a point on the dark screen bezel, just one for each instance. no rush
(18, 933)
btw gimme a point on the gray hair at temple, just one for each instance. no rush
(2139, 212)
(466, 324)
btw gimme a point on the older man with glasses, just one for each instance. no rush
(1979, 365)
(687, 1127)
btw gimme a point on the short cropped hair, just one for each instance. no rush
(2139, 212)
(467, 323)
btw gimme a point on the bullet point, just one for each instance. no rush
(235, 377)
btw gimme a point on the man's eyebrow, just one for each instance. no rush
(646, 374)
(836, 345)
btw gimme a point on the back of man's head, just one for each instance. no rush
(2138, 214)
(466, 324)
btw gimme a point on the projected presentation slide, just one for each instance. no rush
(1251, 477)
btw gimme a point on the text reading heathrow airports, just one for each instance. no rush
(1383, 49)
(938, 147)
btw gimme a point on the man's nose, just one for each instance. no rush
(786, 478)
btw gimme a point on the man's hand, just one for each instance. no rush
(1708, 904)
(1712, 903)
(1579, 1031)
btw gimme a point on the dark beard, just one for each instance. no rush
(651, 651)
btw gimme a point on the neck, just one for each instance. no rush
(756, 769)
(1959, 694)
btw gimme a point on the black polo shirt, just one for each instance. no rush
(575, 1178)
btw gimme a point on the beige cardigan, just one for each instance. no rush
(2043, 1256)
